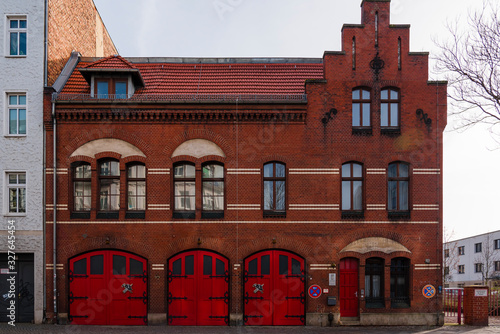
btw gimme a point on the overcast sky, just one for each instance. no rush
(306, 28)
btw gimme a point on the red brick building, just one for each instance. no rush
(254, 191)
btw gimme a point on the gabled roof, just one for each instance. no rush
(170, 76)
(112, 64)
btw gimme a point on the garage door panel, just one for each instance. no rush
(107, 295)
(198, 289)
(274, 289)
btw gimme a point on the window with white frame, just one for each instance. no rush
(478, 248)
(461, 269)
(17, 35)
(496, 244)
(16, 184)
(478, 267)
(497, 265)
(16, 113)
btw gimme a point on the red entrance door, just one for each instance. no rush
(108, 287)
(348, 277)
(274, 289)
(198, 289)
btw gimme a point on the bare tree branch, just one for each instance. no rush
(470, 60)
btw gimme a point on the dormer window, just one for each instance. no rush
(112, 78)
(110, 88)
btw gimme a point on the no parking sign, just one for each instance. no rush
(314, 291)
(429, 291)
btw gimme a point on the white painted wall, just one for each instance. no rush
(24, 75)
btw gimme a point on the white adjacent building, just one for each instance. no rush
(36, 39)
(472, 261)
(21, 160)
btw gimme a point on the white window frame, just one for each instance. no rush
(7, 114)
(8, 30)
(8, 186)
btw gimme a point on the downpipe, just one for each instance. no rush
(54, 225)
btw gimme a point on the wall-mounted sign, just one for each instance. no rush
(481, 293)
(429, 291)
(332, 279)
(314, 291)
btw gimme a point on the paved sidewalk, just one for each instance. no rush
(49, 329)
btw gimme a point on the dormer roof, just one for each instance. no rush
(112, 65)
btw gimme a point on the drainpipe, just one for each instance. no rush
(54, 226)
(46, 46)
(44, 177)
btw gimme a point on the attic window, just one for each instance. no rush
(110, 88)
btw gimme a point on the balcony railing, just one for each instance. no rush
(181, 98)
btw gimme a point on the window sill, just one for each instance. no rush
(212, 215)
(399, 215)
(353, 215)
(80, 215)
(362, 131)
(184, 215)
(135, 215)
(15, 136)
(16, 56)
(390, 131)
(108, 215)
(274, 214)
(12, 214)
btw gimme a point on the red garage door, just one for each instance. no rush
(198, 289)
(274, 289)
(108, 287)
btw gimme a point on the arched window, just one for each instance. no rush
(352, 187)
(374, 282)
(400, 282)
(389, 108)
(213, 191)
(184, 190)
(361, 102)
(398, 184)
(82, 194)
(109, 185)
(274, 188)
(136, 187)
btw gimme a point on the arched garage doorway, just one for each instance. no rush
(108, 287)
(274, 289)
(198, 289)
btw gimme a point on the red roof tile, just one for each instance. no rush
(111, 62)
(184, 78)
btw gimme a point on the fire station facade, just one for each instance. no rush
(249, 191)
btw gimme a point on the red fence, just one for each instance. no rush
(453, 305)
(494, 305)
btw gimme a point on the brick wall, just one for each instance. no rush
(476, 306)
(317, 235)
(75, 26)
